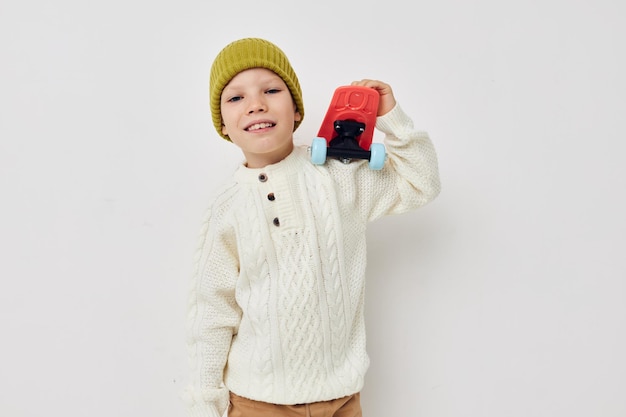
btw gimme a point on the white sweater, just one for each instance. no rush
(276, 308)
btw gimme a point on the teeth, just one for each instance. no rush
(260, 126)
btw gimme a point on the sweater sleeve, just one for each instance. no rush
(213, 317)
(409, 178)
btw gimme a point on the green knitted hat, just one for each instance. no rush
(245, 54)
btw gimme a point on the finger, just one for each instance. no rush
(368, 83)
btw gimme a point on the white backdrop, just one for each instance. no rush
(506, 297)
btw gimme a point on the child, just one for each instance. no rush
(276, 320)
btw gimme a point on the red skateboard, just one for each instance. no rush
(348, 128)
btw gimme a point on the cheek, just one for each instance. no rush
(225, 123)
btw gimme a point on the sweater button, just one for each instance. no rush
(271, 197)
(262, 177)
(276, 222)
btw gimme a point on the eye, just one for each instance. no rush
(234, 99)
(273, 91)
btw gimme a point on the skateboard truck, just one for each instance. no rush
(345, 145)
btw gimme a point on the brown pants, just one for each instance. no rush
(341, 407)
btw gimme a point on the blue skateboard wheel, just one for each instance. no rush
(318, 151)
(378, 155)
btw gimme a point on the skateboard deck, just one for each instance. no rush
(347, 130)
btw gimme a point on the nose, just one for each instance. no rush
(257, 104)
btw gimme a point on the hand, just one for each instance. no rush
(387, 100)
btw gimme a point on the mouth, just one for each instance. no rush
(259, 126)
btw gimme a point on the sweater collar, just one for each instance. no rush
(288, 166)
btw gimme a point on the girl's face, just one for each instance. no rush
(258, 115)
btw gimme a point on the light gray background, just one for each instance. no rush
(503, 298)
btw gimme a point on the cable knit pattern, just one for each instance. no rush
(276, 305)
